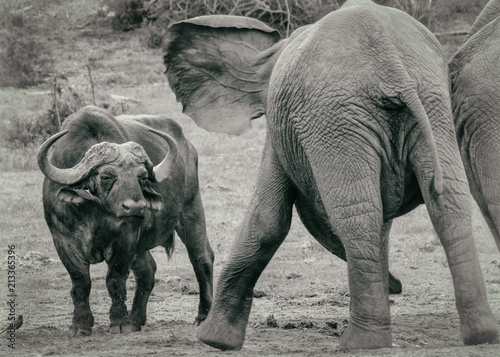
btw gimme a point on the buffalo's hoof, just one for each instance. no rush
(136, 321)
(80, 329)
(121, 326)
(125, 329)
(395, 286)
(199, 319)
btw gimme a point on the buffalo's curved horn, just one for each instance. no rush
(164, 168)
(62, 176)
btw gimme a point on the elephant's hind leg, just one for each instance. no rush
(264, 229)
(319, 227)
(491, 213)
(452, 223)
(349, 186)
(450, 213)
(367, 260)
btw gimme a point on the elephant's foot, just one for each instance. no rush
(395, 286)
(222, 335)
(479, 328)
(80, 329)
(355, 338)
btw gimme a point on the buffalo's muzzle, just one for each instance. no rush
(132, 208)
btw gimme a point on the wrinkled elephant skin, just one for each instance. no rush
(475, 80)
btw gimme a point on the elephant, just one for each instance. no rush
(475, 94)
(359, 132)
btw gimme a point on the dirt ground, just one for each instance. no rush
(301, 306)
(297, 314)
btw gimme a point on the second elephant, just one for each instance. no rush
(475, 80)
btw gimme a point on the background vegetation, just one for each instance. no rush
(33, 34)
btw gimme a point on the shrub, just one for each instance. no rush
(23, 133)
(153, 36)
(283, 15)
(446, 11)
(435, 14)
(128, 14)
(18, 134)
(26, 58)
(287, 15)
(419, 9)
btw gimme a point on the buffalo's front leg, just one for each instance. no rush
(193, 233)
(116, 279)
(144, 268)
(78, 270)
(263, 230)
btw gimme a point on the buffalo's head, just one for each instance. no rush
(115, 176)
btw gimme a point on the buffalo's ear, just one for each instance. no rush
(154, 199)
(219, 68)
(76, 195)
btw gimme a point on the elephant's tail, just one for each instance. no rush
(411, 99)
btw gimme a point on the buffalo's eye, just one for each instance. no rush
(143, 178)
(107, 181)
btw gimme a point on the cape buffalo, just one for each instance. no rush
(114, 189)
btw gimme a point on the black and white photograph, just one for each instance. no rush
(250, 178)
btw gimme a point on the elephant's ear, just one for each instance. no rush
(489, 13)
(219, 68)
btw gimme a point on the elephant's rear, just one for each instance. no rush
(348, 76)
(350, 52)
